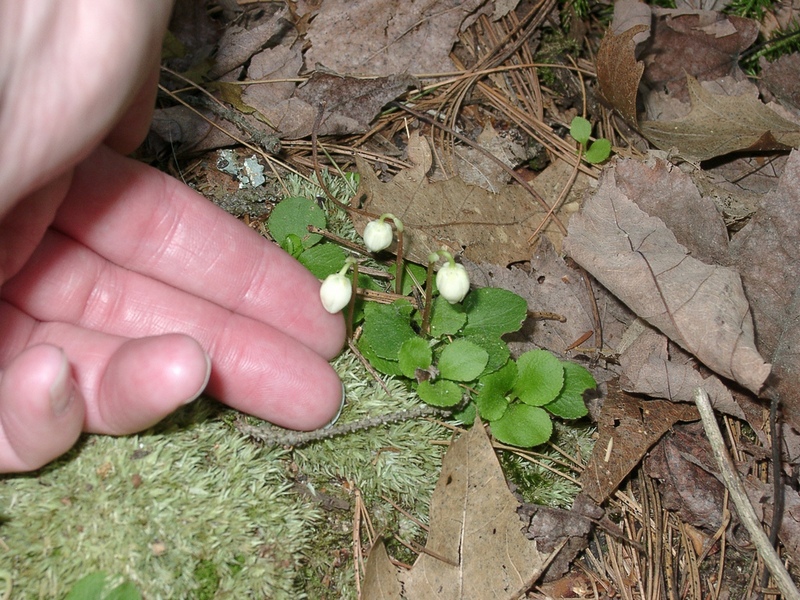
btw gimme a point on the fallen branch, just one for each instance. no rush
(740, 500)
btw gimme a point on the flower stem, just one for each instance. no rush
(352, 305)
(398, 275)
(426, 312)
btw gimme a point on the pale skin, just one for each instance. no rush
(123, 294)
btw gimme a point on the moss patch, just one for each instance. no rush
(192, 508)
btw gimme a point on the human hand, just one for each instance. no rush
(120, 286)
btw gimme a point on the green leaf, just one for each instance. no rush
(540, 377)
(580, 129)
(467, 415)
(442, 393)
(124, 591)
(491, 405)
(323, 259)
(493, 312)
(569, 403)
(524, 426)
(462, 360)
(410, 273)
(599, 151)
(446, 318)
(500, 382)
(387, 367)
(88, 587)
(497, 349)
(293, 216)
(292, 245)
(386, 327)
(415, 353)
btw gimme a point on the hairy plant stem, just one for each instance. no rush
(271, 435)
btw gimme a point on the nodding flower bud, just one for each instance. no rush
(378, 235)
(453, 282)
(336, 290)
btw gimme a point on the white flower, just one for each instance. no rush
(453, 282)
(335, 292)
(378, 235)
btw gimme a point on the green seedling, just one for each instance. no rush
(596, 152)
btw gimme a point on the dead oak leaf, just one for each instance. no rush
(700, 307)
(720, 125)
(487, 227)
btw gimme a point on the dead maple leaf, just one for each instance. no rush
(475, 548)
(380, 576)
(485, 226)
(699, 306)
(720, 125)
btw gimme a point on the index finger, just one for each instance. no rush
(148, 222)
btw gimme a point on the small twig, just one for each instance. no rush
(271, 435)
(737, 492)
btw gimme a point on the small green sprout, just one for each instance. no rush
(596, 152)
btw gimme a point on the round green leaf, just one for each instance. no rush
(497, 349)
(386, 327)
(323, 259)
(540, 377)
(490, 404)
(569, 403)
(415, 353)
(442, 393)
(599, 151)
(501, 381)
(493, 312)
(580, 129)
(524, 426)
(293, 216)
(462, 361)
(446, 318)
(387, 367)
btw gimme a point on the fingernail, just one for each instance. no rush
(205, 381)
(338, 412)
(62, 390)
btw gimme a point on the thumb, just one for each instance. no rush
(41, 409)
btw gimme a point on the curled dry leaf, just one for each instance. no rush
(700, 307)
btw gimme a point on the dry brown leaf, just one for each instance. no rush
(703, 44)
(782, 79)
(618, 72)
(648, 368)
(720, 125)
(700, 307)
(380, 576)
(376, 37)
(766, 252)
(628, 427)
(487, 227)
(475, 531)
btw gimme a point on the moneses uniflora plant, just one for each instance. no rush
(445, 342)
